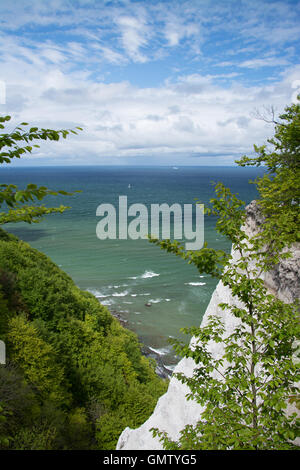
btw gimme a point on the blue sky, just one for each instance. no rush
(151, 82)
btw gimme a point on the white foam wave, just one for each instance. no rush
(155, 301)
(97, 293)
(160, 352)
(195, 283)
(146, 275)
(120, 294)
(107, 302)
(117, 287)
(135, 295)
(171, 367)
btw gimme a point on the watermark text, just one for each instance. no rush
(160, 221)
(2, 352)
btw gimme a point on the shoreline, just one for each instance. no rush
(161, 370)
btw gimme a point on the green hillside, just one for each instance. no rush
(74, 377)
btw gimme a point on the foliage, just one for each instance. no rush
(4, 438)
(279, 188)
(35, 438)
(244, 391)
(70, 355)
(18, 403)
(37, 359)
(14, 145)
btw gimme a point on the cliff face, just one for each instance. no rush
(283, 280)
(173, 412)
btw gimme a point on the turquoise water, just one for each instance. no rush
(128, 274)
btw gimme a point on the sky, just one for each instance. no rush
(151, 82)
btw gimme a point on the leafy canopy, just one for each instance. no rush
(14, 145)
(279, 188)
(74, 378)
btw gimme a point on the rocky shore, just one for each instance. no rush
(161, 370)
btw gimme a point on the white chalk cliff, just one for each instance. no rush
(173, 412)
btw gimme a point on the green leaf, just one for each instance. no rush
(19, 195)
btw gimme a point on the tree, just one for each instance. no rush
(245, 392)
(37, 359)
(279, 188)
(14, 145)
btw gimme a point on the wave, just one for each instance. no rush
(120, 294)
(107, 302)
(145, 293)
(171, 367)
(160, 352)
(146, 275)
(195, 283)
(97, 293)
(117, 287)
(155, 301)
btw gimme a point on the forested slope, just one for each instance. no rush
(74, 377)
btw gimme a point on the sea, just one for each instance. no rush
(152, 292)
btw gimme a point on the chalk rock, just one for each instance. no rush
(173, 411)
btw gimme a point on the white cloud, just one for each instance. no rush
(264, 62)
(139, 31)
(58, 81)
(176, 30)
(134, 33)
(194, 115)
(52, 54)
